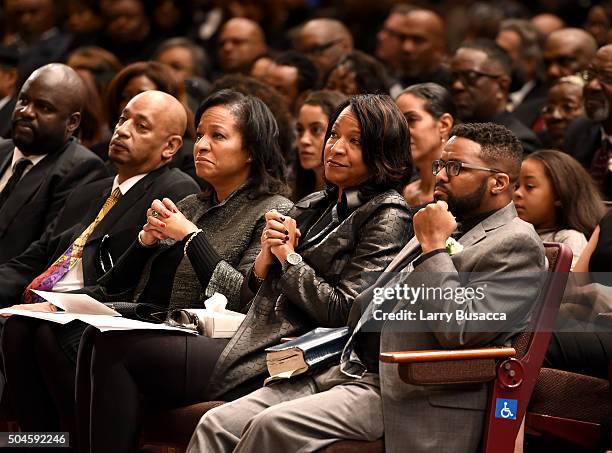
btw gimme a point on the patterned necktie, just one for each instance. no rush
(20, 167)
(54, 273)
(599, 166)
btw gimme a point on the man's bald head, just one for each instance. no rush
(324, 41)
(568, 51)
(423, 46)
(149, 132)
(546, 23)
(48, 109)
(241, 42)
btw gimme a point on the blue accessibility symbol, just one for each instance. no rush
(506, 408)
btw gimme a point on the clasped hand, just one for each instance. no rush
(280, 237)
(433, 225)
(168, 222)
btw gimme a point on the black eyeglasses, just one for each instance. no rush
(471, 77)
(453, 167)
(321, 48)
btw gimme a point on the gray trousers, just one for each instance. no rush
(300, 415)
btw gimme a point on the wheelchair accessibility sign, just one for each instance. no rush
(505, 408)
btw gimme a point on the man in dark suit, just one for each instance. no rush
(480, 75)
(496, 252)
(521, 41)
(143, 175)
(148, 134)
(589, 140)
(8, 88)
(43, 163)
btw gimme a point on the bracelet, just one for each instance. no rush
(147, 246)
(191, 236)
(258, 279)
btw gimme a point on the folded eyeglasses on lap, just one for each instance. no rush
(453, 167)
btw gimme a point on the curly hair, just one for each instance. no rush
(385, 139)
(260, 135)
(580, 207)
(498, 145)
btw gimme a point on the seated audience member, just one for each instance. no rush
(97, 225)
(190, 64)
(97, 64)
(241, 42)
(598, 23)
(220, 236)
(430, 112)
(567, 52)
(9, 59)
(480, 74)
(312, 411)
(574, 350)
(312, 120)
(325, 41)
(358, 224)
(84, 20)
(564, 104)
(142, 76)
(293, 75)
(358, 73)
(557, 196)
(588, 140)
(412, 45)
(142, 176)
(42, 163)
(521, 41)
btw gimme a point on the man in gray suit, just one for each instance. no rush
(500, 259)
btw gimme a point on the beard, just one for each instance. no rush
(463, 207)
(597, 107)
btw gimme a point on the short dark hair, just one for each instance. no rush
(328, 100)
(370, 74)
(580, 207)
(497, 145)
(493, 51)
(438, 99)
(530, 37)
(385, 139)
(201, 61)
(308, 75)
(161, 75)
(259, 136)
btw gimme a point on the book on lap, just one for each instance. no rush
(314, 349)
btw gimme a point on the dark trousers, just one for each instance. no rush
(40, 378)
(117, 370)
(580, 352)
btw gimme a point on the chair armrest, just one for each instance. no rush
(444, 355)
(447, 367)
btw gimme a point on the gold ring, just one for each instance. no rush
(154, 214)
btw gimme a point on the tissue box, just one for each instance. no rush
(221, 324)
(215, 320)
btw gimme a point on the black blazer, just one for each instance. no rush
(6, 116)
(41, 193)
(117, 230)
(528, 111)
(582, 140)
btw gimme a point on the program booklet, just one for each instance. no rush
(313, 349)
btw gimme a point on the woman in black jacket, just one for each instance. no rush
(354, 227)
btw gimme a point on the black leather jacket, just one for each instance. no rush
(317, 292)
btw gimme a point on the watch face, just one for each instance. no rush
(294, 258)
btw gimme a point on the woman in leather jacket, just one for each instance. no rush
(313, 262)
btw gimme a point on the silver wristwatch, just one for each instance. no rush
(292, 259)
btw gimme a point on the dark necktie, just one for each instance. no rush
(18, 170)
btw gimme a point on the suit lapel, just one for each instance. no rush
(408, 250)
(6, 157)
(25, 189)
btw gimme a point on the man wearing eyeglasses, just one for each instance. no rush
(324, 41)
(589, 140)
(480, 81)
(360, 399)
